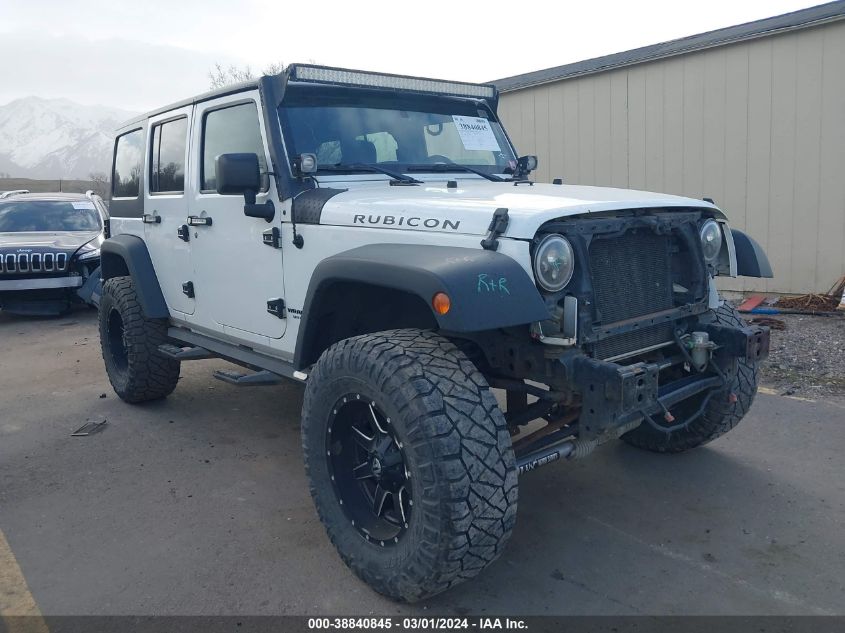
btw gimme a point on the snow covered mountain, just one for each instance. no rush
(56, 138)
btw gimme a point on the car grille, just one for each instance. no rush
(631, 277)
(33, 263)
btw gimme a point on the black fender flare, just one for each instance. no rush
(751, 259)
(128, 255)
(488, 290)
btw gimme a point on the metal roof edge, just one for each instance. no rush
(804, 18)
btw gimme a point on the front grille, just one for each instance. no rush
(631, 277)
(25, 263)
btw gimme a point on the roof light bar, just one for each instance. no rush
(325, 74)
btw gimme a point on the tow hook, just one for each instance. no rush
(700, 349)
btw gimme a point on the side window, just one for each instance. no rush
(231, 130)
(128, 160)
(167, 162)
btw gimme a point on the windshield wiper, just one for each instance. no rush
(440, 167)
(369, 167)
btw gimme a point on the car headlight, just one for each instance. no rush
(92, 254)
(711, 240)
(554, 263)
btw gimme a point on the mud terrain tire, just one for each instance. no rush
(138, 372)
(432, 404)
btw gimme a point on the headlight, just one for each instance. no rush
(93, 254)
(554, 263)
(711, 240)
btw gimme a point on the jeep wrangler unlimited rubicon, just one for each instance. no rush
(376, 238)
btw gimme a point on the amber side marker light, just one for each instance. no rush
(441, 303)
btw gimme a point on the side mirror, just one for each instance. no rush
(240, 174)
(525, 165)
(237, 174)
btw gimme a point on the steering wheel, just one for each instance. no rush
(440, 158)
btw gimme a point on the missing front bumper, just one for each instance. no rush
(614, 395)
(750, 342)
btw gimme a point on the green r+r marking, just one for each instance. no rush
(486, 284)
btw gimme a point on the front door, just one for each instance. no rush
(238, 281)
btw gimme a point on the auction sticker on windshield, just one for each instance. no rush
(476, 133)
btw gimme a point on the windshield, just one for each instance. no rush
(397, 132)
(48, 215)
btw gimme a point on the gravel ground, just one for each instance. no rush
(807, 359)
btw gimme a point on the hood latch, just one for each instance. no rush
(498, 225)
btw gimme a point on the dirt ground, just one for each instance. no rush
(807, 358)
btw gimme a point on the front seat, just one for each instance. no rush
(359, 152)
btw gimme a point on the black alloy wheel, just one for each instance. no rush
(368, 470)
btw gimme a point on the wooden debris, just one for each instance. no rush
(775, 324)
(839, 289)
(812, 302)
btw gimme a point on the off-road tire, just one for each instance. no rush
(138, 372)
(720, 416)
(463, 474)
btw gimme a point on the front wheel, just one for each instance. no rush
(723, 411)
(137, 370)
(409, 461)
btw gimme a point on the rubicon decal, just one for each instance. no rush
(413, 222)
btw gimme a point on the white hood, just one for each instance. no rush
(469, 208)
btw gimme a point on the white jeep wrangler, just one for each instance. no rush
(376, 238)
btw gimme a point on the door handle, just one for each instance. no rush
(195, 220)
(151, 219)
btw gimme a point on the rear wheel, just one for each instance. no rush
(723, 410)
(409, 461)
(137, 370)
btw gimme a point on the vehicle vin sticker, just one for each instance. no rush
(476, 133)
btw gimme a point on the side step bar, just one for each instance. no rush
(184, 353)
(238, 354)
(258, 379)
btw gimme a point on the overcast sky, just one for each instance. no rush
(141, 54)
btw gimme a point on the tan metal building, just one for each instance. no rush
(752, 116)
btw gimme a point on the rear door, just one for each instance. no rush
(237, 277)
(166, 205)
